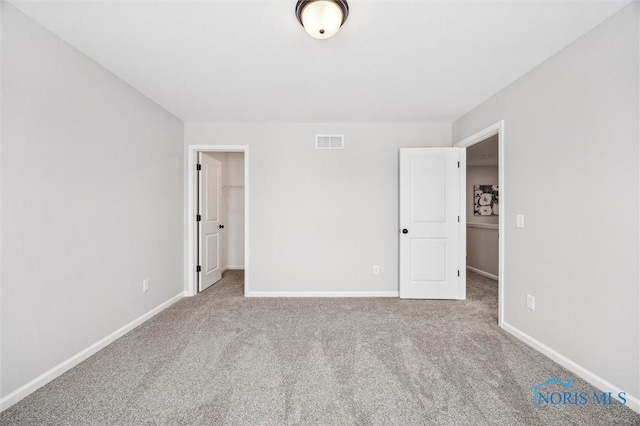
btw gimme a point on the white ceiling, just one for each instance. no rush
(483, 153)
(393, 61)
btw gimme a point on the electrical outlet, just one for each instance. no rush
(519, 221)
(145, 285)
(376, 269)
(531, 302)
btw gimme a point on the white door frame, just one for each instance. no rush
(191, 284)
(494, 129)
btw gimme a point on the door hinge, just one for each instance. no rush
(458, 272)
(198, 166)
(458, 219)
(198, 218)
(198, 268)
(458, 165)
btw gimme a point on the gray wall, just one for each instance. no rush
(92, 202)
(571, 167)
(320, 219)
(482, 249)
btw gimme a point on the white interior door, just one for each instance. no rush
(430, 227)
(209, 191)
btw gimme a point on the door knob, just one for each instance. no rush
(405, 231)
(220, 226)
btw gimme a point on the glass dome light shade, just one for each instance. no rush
(322, 18)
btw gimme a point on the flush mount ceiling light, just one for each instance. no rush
(322, 18)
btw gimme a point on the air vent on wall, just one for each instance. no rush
(329, 141)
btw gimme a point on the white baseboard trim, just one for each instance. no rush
(597, 381)
(76, 359)
(322, 294)
(483, 273)
(241, 267)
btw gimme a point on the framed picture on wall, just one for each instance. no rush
(485, 200)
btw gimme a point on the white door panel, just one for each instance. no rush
(209, 191)
(212, 248)
(427, 189)
(428, 259)
(430, 255)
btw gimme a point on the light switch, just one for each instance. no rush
(519, 221)
(531, 302)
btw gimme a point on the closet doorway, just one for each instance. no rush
(217, 214)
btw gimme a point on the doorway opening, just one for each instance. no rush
(483, 191)
(217, 216)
